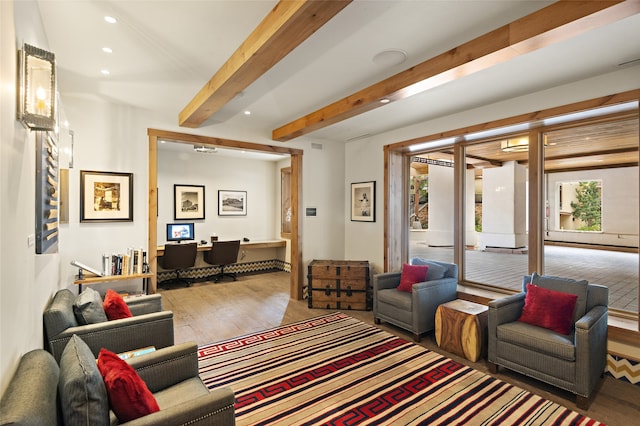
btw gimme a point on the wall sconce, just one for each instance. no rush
(37, 91)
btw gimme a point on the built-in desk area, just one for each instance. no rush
(246, 245)
(254, 256)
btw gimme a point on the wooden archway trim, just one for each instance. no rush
(155, 135)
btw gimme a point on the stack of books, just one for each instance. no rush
(133, 261)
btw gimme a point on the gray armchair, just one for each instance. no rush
(414, 311)
(573, 362)
(149, 326)
(33, 396)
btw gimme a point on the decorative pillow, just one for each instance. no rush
(115, 306)
(129, 395)
(436, 271)
(410, 275)
(565, 285)
(87, 307)
(83, 395)
(549, 309)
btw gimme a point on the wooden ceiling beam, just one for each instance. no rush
(288, 24)
(552, 24)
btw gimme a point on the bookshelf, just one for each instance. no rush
(88, 279)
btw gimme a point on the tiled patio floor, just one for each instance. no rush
(617, 270)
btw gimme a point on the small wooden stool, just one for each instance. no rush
(461, 328)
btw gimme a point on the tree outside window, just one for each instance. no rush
(588, 206)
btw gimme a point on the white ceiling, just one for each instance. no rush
(164, 51)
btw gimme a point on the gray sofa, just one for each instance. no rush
(414, 311)
(149, 326)
(34, 395)
(573, 362)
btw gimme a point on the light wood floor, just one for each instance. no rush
(207, 312)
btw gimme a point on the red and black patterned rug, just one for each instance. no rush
(336, 370)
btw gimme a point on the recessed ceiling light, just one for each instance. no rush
(110, 19)
(105, 72)
(384, 101)
(247, 112)
(390, 57)
(107, 50)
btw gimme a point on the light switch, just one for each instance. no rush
(31, 240)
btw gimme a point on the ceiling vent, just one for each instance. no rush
(205, 149)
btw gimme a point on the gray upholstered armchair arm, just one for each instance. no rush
(145, 304)
(30, 398)
(155, 329)
(386, 280)
(506, 309)
(427, 296)
(501, 311)
(169, 366)
(591, 348)
(215, 408)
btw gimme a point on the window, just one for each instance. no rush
(583, 206)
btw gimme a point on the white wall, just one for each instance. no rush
(364, 162)
(441, 191)
(27, 280)
(323, 187)
(107, 138)
(221, 173)
(619, 207)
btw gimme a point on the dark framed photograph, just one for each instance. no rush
(363, 197)
(106, 196)
(188, 202)
(232, 203)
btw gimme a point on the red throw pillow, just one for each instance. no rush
(549, 309)
(115, 306)
(129, 396)
(410, 275)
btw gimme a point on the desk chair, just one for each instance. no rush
(179, 257)
(222, 253)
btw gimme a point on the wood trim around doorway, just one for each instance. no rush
(156, 135)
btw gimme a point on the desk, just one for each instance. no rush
(243, 245)
(254, 256)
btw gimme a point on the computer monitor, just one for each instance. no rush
(180, 232)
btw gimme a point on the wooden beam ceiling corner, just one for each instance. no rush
(287, 25)
(552, 24)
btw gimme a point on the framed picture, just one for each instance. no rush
(232, 203)
(363, 201)
(188, 202)
(106, 196)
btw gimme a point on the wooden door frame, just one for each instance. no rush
(296, 276)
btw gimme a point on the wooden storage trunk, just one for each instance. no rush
(339, 284)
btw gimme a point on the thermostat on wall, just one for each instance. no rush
(310, 211)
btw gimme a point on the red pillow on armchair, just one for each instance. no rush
(115, 307)
(411, 274)
(129, 396)
(549, 309)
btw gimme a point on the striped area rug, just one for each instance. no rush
(336, 370)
